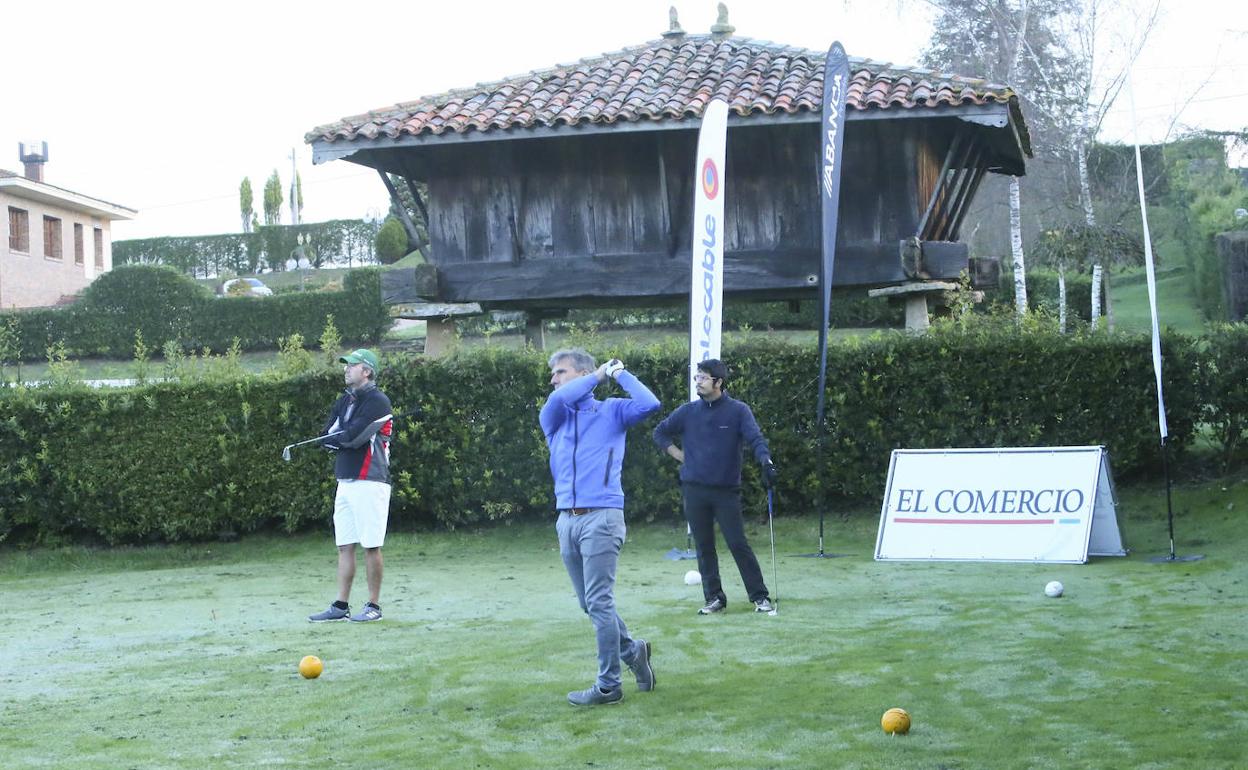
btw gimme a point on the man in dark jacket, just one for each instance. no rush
(359, 429)
(586, 441)
(711, 432)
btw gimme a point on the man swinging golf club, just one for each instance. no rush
(362, 467)
(711, 432)
(586, 441)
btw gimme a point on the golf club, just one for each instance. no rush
(286, 450)
(771, 529)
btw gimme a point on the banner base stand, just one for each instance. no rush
(1171, 558)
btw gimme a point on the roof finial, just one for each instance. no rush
(721, 25)
(673, 25)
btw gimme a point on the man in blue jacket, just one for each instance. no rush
(711, 432)
(586, 441)
(363, 422)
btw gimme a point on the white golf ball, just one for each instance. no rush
(692, 578)
(1053, 589)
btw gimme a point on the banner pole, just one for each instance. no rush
(1151, 276)
(835, 94)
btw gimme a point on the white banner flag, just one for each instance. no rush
(706, 289)
(1149, 272)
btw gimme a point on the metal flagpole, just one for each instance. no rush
(835, 91)
(1169, 558)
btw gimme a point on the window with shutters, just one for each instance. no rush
(19, 230)
(51, 237)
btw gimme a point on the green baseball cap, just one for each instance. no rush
(361, 356)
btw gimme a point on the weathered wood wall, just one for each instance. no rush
(508, 218)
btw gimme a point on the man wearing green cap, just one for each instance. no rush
(363, 422)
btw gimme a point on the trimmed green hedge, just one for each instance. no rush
(190, 461)
(325, 243)
(164, 305)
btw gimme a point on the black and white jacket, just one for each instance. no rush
(363, 448)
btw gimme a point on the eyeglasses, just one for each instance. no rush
(702, 377)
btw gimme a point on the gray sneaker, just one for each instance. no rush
(370, 613)
(595, 697)
(764, 605)
(714, 605)
(641, 667)
(333, 613)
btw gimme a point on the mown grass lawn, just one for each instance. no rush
(185, 656)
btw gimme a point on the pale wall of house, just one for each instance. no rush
(33, 279)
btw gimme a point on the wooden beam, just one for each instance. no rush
(413, 236)
(938, 188)
(432, 311)
(573, 280)
(409, 284)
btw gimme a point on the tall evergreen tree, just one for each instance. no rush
(273, 199)
(246, 204)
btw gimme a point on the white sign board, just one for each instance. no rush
(1042, 504)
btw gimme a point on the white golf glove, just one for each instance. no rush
(613, 368)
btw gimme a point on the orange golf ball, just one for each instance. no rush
(311, 667)
(895, 722)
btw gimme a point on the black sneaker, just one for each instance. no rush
(764, 605)
(718, 604)
(641, 667)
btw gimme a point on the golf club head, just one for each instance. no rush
(286, 454)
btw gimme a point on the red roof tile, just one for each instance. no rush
(664, 80)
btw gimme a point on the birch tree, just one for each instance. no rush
(1106, 36)
(1010, 41)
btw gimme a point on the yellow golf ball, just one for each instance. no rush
(895, 722)
(311, 667)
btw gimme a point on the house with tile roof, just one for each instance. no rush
(572, 186)
(56, 241)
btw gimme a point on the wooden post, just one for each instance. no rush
(534, 331)
(440, 337)
(1233, 252)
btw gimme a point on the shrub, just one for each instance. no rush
(172, 461)
(391, 241)
(163, 306)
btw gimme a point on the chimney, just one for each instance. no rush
(33, 156)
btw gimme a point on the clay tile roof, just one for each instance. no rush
(671, 79)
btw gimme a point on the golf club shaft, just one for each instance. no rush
(286, 450)
(318, 438)
(771, 530)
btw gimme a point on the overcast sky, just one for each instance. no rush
(165, 107)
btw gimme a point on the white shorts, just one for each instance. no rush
(361, 509)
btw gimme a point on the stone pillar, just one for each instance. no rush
(916, 313)
(440, 337)
(534, 331)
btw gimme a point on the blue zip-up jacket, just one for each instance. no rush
(586, 439)
(711, 435)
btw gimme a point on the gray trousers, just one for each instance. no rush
(590, 546)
